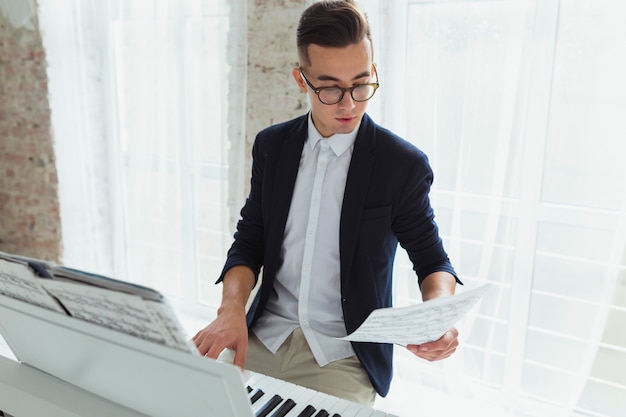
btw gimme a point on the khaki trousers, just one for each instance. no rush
(294, 362)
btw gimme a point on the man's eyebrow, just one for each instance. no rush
(331, 78)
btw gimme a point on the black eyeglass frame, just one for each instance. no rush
(318, 90)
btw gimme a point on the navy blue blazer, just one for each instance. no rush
(385, 203)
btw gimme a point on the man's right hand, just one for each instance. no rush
(229, 329)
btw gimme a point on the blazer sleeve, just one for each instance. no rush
(414, 222)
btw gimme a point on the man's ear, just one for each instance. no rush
(295, 72)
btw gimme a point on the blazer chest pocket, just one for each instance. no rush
(376, 212)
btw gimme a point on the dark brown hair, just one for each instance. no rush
(331, 23)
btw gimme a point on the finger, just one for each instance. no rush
(240, 356)
(445, 342)
(439, 349)
(214, 351)
(204, 344)
(203, 347)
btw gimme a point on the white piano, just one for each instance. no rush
(71, 368)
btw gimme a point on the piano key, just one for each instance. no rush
(316, 404)
(287, 390)
(327, 402)
(284, 408)
(255, 395)
(300, 395)
(269, 406)
(308, 411)
(352, 410)
(270, 386)
(303, 399)
(257, 378)
(370, 412)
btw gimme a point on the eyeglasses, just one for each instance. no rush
(333, 95)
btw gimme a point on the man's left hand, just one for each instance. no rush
(439, 349)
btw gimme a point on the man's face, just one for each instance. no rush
(336, 67)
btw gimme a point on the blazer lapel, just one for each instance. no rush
(287, 164)
(357, 185)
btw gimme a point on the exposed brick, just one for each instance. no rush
(29, 203)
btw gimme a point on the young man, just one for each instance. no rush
(332, 194)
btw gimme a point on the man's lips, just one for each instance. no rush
(345, 119)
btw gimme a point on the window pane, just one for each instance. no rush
(171, 101)
(584, 156)
(463, 72)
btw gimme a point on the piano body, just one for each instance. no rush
(69, 368)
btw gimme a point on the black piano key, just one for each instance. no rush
(249, 389)
(284, 408)
(322, 413)
(307, 412)
(269, 406)
(258, 393)
(336, 415)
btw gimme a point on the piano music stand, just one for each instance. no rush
(140, 375)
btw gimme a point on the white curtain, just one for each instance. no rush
(518, 104)
(140, 92)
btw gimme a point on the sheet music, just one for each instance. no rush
(115, 310)
(172, 325)
(418, 323)
(19, 282)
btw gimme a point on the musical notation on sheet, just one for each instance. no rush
(418, 323)
(118, 311)
(19, 282)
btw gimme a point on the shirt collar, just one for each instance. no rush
(339, 142)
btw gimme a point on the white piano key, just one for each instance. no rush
(303, 399)
(255, 378)
(352, 410)
(328, 402)
(340, 407)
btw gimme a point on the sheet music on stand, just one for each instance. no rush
(116, 340)
(132, 309)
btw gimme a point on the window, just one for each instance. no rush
(516, 103)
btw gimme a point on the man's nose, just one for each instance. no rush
(346, 101)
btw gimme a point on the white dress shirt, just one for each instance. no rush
(307, 291)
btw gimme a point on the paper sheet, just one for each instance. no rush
(19, 282)
(118, 311)
(418, 323)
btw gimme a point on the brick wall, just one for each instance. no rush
(29, 205)
(272, 93)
